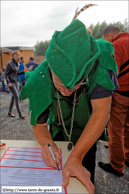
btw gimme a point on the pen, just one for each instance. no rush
(53, 156)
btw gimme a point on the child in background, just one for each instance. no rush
(3, 79)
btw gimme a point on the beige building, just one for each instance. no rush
(5, 54)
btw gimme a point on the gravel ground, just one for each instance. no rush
(15, 128)
(18, 129)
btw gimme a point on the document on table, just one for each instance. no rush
(24, 167)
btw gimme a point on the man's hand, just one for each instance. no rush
(74, 168)
(27, 69)
(9, 85)
(47, 157)
(44, 138)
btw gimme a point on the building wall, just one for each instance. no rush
(39, 59)
(25, 53)
(6, 59)
(0, 64)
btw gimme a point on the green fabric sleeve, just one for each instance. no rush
(38, 90)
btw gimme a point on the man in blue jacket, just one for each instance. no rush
(22, 76)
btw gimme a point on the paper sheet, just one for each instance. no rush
(25, 167)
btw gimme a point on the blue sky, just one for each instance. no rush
(23, 23)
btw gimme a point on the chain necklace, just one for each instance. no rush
(70, 145)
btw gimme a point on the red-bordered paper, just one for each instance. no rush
(27, 163)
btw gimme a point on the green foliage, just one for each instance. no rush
(41, 47)
(98, 28)
(124, 27)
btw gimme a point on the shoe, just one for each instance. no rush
(108, 168)
(7, 92)
(106, 146)
(22, 116)
(11, 114)
(127, 163)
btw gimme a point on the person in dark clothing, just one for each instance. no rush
(11, 76)
(31, 64)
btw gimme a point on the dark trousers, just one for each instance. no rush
(21, 84)
(89, 159)
(15, 97)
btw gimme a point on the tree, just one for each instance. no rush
(124, 27)
(98, 28)
(41, 47)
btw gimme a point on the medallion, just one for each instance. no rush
(70, 146)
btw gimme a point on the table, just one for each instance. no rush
(75, 186)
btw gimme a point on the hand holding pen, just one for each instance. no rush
(53, 156)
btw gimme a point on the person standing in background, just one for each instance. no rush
(22, 76)
(11, 76)
(3, 79)
(31, 64)
(118, 127)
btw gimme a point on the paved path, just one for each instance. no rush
(18, 129)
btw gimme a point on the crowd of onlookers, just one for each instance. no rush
(31, 65)
(14, 75)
